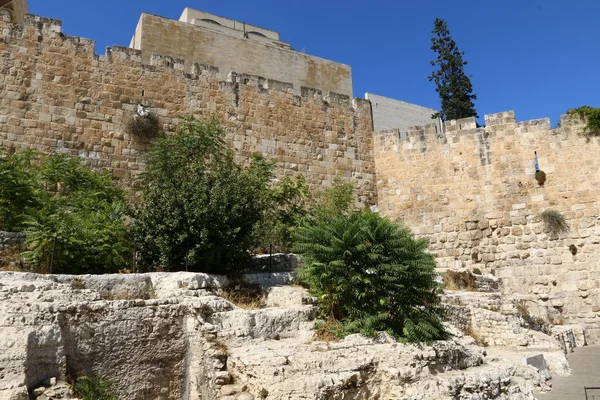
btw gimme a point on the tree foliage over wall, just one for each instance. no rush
(452, 83)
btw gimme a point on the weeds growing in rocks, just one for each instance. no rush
(244, 295)
(459, 280)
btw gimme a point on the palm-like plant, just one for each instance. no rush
(371, 274)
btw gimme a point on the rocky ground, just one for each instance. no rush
(171, 336)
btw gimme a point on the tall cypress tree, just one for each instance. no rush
(453, 85)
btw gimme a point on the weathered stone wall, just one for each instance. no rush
(208, 46)
(56, 95)
(472, 192)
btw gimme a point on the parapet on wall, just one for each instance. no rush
(194, 43)
(472, 192)
(56, 95)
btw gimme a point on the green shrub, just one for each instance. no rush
(540, 177)
(200, 209)
(82, 216)
(94, 388)
(20, 191)
(592, 115)
(554, 221)
(63, 204)
(372, 275)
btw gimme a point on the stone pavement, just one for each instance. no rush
(585, 364)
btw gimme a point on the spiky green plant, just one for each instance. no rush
(372, 275)
(94, 388)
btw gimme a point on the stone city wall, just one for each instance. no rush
(472, 192)
(56, 95)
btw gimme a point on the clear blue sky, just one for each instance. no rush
(537, 57)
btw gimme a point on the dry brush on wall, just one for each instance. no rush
(471, 191)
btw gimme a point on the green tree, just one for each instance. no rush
(81, 214)
(200, 209)
(372, 275)
(452, 83)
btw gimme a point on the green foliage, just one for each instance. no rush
(333, 201)
(452, 84)
(19, 189)
(82, 214)
(94, 388)
(554, 221)
(592, 115)
(540, 177)
(198, 203)
(290, 201)
(372, 275)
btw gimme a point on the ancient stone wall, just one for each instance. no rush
(208, 46)
(472, 192)
(56, 95)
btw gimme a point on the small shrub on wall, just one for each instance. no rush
(143, 123)
(592, 115)
(540, 177)
(554, 221)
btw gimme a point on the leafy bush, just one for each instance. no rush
(554, 221)
(82, 215)
(290, 199)
(200, 209)
(371, 275)
(592, 115)
(94, 388)
(19, 189)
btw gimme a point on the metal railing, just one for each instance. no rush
(566, 340)
(592, 396)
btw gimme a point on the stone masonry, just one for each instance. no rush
(56, 95)
(215, 45)
(472, 192)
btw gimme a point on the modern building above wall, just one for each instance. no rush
(200, 37)
(395, 114)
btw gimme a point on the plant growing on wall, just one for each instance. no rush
(554, 221)
(143, 123)
(452, 83)
(371, 274)
(540, 177)
(592, 115)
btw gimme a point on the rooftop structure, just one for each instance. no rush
(229, 45)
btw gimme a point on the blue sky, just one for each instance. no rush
(537, 57)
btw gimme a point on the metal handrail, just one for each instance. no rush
(566, 340)
(591, 396)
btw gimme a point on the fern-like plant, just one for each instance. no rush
(554, 221)
(94, 388)
(372, 275)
